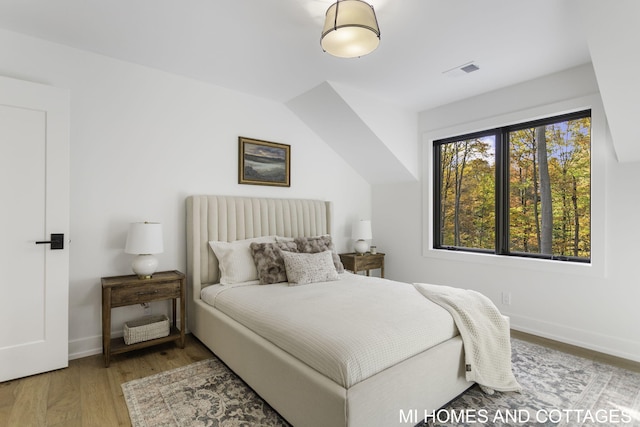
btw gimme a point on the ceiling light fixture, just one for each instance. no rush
(350, 29)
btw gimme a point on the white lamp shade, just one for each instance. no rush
(144, 238)
(350, 29)
(361, 230)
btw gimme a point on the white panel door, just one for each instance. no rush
(34, 192)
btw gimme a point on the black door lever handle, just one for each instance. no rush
(56, 242)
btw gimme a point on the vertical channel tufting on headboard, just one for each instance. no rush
(228, 218)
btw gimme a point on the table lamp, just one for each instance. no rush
(144, 239)
(360, 232)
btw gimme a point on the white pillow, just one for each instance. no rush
(235, 260)
(304, 268)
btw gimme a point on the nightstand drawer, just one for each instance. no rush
(356, 262)
(368, 262)
(144, 292)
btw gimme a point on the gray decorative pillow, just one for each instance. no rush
(313, 245)
(268, 260)
(304, 268)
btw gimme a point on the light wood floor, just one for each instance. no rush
(88, 394)
(579, 351)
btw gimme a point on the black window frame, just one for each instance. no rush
(502, 162)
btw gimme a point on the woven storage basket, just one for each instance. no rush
(146, 328)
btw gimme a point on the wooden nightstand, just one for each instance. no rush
(356, 262)
(118, 291)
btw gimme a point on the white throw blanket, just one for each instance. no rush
(485, 335)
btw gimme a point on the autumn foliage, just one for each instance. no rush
(546, 186)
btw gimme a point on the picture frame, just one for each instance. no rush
(263, 162)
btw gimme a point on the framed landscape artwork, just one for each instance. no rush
(263, 162)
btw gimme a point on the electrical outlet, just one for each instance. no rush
(506, 298)
(147, 308)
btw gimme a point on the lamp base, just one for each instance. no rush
(144, 266)
(361, 247)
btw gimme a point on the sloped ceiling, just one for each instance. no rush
(613, 37)
(271, 49)
(330, 116)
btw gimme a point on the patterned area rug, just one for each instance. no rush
(559, 390)
(205, 393)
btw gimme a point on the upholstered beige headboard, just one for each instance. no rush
(226, 218)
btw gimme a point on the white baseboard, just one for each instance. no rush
(595, 341)
(85, 347)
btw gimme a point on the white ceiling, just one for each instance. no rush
(271, 48)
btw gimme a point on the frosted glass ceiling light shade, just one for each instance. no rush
(360, 232)
(144, 239)
(350, 29)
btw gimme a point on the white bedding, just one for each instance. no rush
(348, 330)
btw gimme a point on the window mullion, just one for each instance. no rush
(502, 191)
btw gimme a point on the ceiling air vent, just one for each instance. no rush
(470, 68)
(462, 70)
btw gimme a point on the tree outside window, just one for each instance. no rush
(520, 190)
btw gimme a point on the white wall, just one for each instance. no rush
(613, 35)
(141, 141)
(597, 310)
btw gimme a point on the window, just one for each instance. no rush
(520, 190)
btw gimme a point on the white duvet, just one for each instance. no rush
(348, 330)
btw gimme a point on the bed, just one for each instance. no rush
(398, 394)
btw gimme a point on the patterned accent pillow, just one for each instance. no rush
(235, 261)
(268, 261)
(313, 245)
(304, 268)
